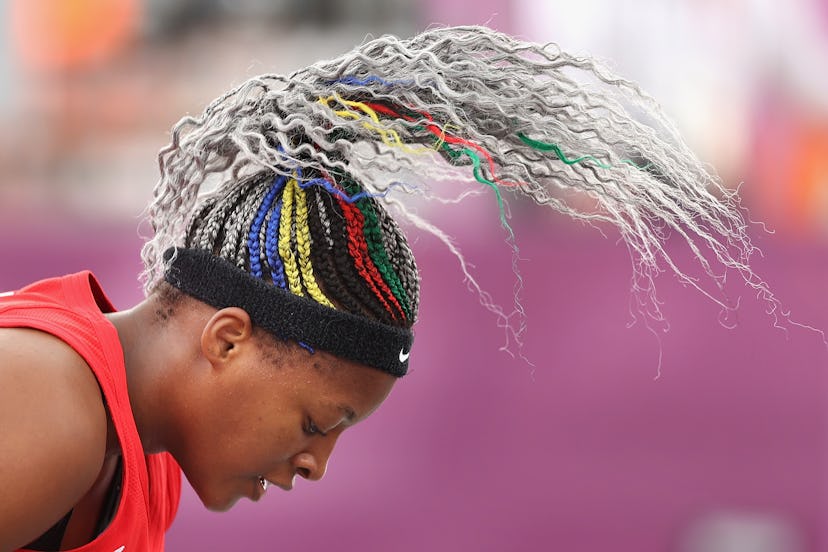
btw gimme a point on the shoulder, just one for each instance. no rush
(54, 445)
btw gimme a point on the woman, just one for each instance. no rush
(281, 293)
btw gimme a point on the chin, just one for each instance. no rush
(216, 503)
(220, 505)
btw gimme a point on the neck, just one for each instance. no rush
(142, 336)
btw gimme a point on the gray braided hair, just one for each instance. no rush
(463, 104)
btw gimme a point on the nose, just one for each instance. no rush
(313, 463)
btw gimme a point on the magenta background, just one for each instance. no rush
(586, 452)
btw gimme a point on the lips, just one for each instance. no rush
(259, 490)
(283, 486)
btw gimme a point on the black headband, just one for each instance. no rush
(220, 284)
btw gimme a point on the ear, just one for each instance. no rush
(224, 332)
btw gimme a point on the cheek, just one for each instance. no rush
(247, 441)
(213, 449)
(278, 442)
(271, 430)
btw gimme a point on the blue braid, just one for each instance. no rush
(354, 81)
(272, 247)
(325, 183)
(253, 236)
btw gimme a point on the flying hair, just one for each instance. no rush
(395, 118)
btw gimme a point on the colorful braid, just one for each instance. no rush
(254, 238)
(303, 246)
(290, 237)
(346, 266)
(376, 249)
(286, 251)
(358, 249)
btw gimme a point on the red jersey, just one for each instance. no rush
(71, 308)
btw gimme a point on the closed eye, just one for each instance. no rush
(312, 429)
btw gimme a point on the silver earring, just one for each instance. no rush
(263, 482)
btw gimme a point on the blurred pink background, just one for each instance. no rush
(594, 446)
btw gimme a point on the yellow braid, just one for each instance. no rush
(288, 258)
(303, 244)
(389, 136)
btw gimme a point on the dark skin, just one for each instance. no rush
(227, 401)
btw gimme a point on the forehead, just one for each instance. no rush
(354, 389)
(322, 379)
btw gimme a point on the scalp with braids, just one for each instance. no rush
(307, 165)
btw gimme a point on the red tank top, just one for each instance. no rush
(71, 308)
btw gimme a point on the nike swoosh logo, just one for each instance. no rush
(121, 549)
(403, 355)
(6, 293)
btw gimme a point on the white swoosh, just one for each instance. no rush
(404, 356)
(6, 294)
(121, 549)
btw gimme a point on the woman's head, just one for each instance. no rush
(304, 325)
(242, 406)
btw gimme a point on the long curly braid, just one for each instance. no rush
(307, 164)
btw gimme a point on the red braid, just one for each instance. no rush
(358, 249)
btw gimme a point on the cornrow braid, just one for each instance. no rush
(345, 264)
(303, 247)
(209, 231)
(462, 104)
(277, 267)
(195, 228)
(376, 249)
(358, 249)
(403, 265)
(286, 250)
(258, 231)
(235, 241)
(322, 257)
